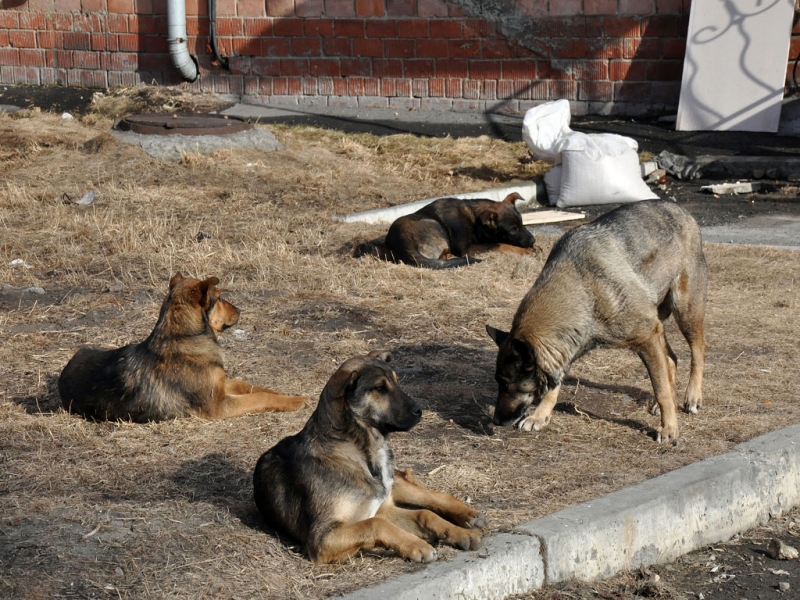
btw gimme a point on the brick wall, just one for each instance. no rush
(623, 56)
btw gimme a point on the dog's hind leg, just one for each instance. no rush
(431, 527)
(653, 352)
(260, 400)
(406, 490)
(345, 540)
(689, 310)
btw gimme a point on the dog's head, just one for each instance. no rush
(501, 223)
(520, 380)
(365, 390)
(192, 305)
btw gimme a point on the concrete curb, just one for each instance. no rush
(652, 522)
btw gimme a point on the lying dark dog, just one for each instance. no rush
(333, 486)
(177, 371)
(450, 233)
(611, 282)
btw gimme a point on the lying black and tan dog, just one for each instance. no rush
(609, 283)
(177, 371)
(333, 486)
(449, 233)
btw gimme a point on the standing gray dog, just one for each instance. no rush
(612, 283)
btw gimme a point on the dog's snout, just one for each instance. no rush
(416, 410)
(496, 420)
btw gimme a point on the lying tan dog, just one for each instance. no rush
(450, 233)
(333, 486)
(611, 282)
(176, 372)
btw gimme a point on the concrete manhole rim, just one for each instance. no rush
(183, 123)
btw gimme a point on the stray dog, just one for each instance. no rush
(449, 233)
(333, 486)
(608, 283)
(176, 372)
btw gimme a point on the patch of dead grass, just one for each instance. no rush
(173, 500)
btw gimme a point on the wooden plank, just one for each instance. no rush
(540, 217)
(735, 65)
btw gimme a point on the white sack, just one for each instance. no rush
(581, 180)
(543, 126)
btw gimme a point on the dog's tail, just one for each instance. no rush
(374, 248)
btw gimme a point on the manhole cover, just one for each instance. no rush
(183, 124)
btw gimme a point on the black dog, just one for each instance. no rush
(449, 233)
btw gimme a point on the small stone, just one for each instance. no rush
(784, 586)
(119, 572)
(780, 551)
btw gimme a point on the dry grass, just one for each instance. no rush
(165, 510)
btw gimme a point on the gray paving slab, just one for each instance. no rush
(652, 522)
(172, 147)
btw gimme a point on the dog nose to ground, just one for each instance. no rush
(416, 411)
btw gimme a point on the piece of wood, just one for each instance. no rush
(540, 217)
(735, 66)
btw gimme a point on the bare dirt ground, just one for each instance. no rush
(121, 510)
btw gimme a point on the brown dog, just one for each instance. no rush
(611, 282)
(449, 233)
(176, 372)
(333, 486)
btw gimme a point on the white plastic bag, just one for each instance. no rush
(543, 126)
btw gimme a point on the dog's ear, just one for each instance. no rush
(512, 198)
(488, 218)
(383, 355)
(176, 279)
(525, 352)
(203, 287)
(340, 383)
(498, 336)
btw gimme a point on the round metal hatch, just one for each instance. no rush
(183, 124)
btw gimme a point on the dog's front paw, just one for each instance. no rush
(422, 553)
(692, 405)
(298, 402)
(533, 423)
(479, 521)
(465, 539)
(668, 434)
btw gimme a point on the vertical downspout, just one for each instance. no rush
(176, 38)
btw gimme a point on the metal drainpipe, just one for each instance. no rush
(176, 38)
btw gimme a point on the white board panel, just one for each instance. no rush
(735, 65)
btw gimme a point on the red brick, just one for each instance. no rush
(387, 68)
(9, 19)
(265, 67)
(472, 89)
(453, 88)
(98, 41)
(563, 89)
(636, 7)
(294, 86)
(419, 88)
(32, 21)
(560, 70)
(294, 67)
(351, 28)
(368, 47)
(280, 86)
(565, 7)
(632, 92)
(310, 8)
(246, 46)
(123, 61)
(306, 47)
(432, 49)
(145, 7)
(228, 26)
(621, 27)
(419, 68)
(413, 28)
(320, 27)
(340, 8)
(61, 22)
(324, 67)
(445, 29)
(590, 70)
(381, 29)
(667, 92)
(452, 68)
(310, 86)
(63, 59)
(275, 47)
(648, 48)
(32, 58)
(48, 39)
(76, 41)
(485, 69)
(604, 48)
(536, 8)
(401, 8)
(565, 27)
(280, 8)
(569, 48)
(478, 29)
(337, 46)
(288, 28)
(388, 88)
(464, 48)
(340, 86)
(600, 7)
(400, 48)
(664, 70)
(157, 44)
(249, 8)
(195, 7)
(497, 49)
(355, 86)
(672, 6)
(22, 39)
(489, 90)
(119, 23)
(355, 67)
(595, 91)
(436, 88)
(660, 26)
(4, 39)
(86, 60)
(432, 8)
(676, 48)
(122, 7)
(519, 69)
(92, 5)
(627, 70)
(369, 8)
